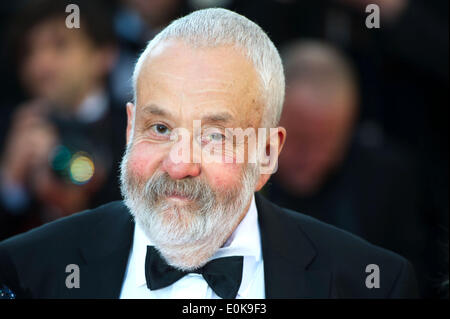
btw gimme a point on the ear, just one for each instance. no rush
(273, 147)
(130, 115)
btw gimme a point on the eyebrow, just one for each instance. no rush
(221, 117)
(154, 110)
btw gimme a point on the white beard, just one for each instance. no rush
(186, 235)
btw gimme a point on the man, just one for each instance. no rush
(333, 169)
(198, 229)
(68, 107)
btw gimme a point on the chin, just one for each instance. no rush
(178, 212)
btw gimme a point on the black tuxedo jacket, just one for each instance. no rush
(303, 257)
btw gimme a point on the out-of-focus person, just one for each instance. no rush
(136, 22)
(64, 142)
(320, 111)
(336, 172)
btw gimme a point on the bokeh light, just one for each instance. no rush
(81, 168)
(60, 158)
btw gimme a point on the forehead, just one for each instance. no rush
(193, 81)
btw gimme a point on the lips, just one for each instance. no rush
(178, 195)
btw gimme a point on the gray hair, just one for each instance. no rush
(216, 27)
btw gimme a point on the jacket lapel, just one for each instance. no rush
(288, 256)
(105, 254)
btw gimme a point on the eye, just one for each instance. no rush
(213, 137)
(216, 137)
(160, 129)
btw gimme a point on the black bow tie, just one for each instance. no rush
(223, 275)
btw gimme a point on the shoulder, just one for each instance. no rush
(33, 264)
(359, 266)
(336, 242)
(59, 233)
(349, 259)
(325, 238)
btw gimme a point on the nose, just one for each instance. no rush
(179, 168)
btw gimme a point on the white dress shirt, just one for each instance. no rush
(245, 241)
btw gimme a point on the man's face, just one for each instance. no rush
(192, 201)
(178, 85)
(60, 64)
(319, 118)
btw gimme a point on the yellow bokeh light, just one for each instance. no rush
(81, 169)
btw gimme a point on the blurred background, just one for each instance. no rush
(366, 112)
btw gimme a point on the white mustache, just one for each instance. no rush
(161, 185)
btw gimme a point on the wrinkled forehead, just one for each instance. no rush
(193, 81)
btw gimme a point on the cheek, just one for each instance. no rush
(225, 176)
(143, 161)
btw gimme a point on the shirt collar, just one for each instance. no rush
(244, 241)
